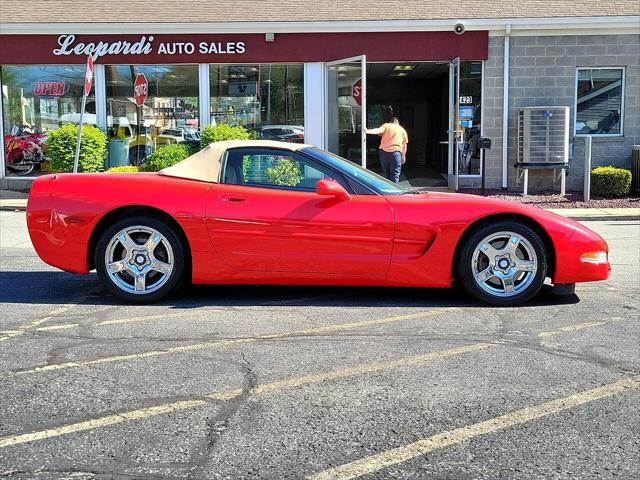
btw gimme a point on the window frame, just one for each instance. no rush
(338, 177)
(622, 102)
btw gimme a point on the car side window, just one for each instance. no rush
(275, 169)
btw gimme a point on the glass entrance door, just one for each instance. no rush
(346, 108)
(455, 128)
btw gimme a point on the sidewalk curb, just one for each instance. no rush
(12, 208)
(603, 218)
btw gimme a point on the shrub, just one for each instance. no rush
(285, 172)
(610, 182)
(222, 132)
(124, 169)
(62, 149)
(164, 157)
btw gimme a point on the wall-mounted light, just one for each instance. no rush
(269, 37)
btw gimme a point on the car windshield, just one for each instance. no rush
(377, 183)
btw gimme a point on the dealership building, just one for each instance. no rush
(319, 72)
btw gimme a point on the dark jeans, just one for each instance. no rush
(391, 163)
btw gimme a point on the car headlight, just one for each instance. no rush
(594, 257)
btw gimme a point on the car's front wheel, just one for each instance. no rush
(140, 259)
(503, 263)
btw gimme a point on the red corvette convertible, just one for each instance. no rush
(263, 212)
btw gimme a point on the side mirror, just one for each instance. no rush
(332, 188)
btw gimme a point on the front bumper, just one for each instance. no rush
(573, 266)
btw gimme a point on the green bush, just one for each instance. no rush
(222, 132)
(610, 182)
(164, 157)
(285, 172)
(124, 169)
(61, 149)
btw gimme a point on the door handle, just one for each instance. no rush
(235, 199)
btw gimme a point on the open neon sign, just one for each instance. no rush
(49, 89)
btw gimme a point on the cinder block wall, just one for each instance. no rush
(492, 104)
(543, 72)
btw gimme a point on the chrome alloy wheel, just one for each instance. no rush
(504, 264)
(139, 260)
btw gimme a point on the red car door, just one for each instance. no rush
(257, 225)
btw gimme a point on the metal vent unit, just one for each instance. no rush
(543, 136)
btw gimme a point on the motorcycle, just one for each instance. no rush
(24, 152)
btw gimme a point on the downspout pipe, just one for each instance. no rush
(505, 108)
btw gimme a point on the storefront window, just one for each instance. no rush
(599, 101)
(470, 102)
(266, 99)
(36, 100)
(169, 114)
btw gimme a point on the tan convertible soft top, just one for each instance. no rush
(206, 165)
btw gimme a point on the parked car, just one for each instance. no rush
(267, 212)
(170, 136)
(282, 133)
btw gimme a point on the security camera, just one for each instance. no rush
(458, 28)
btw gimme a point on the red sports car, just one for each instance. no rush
(263, 212)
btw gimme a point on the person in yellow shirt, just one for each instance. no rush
(393, 148)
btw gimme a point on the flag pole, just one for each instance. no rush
(77, 157)
(88, 77)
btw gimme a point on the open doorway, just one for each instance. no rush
(444, 125)
(418, 94)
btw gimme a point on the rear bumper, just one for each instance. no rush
(58, 239)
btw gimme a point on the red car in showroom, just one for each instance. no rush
(265, 212)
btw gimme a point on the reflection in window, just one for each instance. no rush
(273, 168)
(169, 115)
(470, 102)
(265, 99)
(599, 101)
(344, 116)
(36, 100)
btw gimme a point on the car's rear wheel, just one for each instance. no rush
(503, 263)
(140, 259)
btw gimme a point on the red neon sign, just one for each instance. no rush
(49, 89)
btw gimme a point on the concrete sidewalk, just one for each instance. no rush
(10, 200)
(598, 214)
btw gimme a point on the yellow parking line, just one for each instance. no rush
(170, 315)
(117, 321)
(375, 463)
(7, 334)
(234, 341)
(287, 383)
(578, 326)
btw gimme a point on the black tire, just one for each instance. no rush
(530, 284)
(174, 279)
(26, 168)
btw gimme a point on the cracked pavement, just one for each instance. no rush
(293, 381)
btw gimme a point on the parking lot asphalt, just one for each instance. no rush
(322, 383)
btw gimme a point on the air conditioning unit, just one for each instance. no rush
(543, 136)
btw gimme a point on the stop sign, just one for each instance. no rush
(356, 91)
(140, 89)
